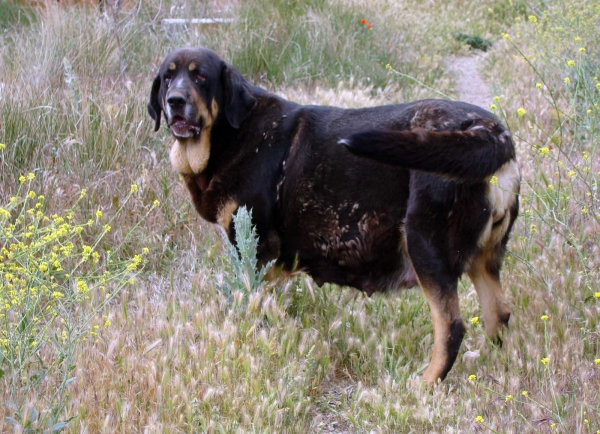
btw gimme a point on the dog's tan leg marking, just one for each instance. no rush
(496, 312)
(448, 329)
(484, 269)
(225, 214)
(276, 274)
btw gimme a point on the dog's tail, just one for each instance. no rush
(473, 153)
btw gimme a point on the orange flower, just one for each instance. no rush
(363, 22)
(369, 26)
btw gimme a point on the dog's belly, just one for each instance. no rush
(368, 254)
(349, 233)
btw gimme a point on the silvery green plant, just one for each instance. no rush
(243, 274)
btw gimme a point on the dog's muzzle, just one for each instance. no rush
(181, 117)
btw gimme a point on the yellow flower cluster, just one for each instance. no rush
(47, 268)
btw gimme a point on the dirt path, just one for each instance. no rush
(469, 85)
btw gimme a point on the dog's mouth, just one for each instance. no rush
(181, 128)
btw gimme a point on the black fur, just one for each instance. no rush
(339, 217)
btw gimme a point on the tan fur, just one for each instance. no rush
(225, 214)
(179, 159)
(491, 296)
(191, 156)
(172, 66)
(278, 275)
(192, 66)
(198, 152)
(214, 107)
(444, 310)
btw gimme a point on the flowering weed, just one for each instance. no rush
(55, 279)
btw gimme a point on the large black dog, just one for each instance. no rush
(442, 204)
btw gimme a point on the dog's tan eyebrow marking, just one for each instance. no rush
(192, 66)
(172, 66)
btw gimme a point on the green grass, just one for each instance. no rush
(176, 352)
(15, 13)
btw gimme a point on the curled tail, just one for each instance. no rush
(469, 154)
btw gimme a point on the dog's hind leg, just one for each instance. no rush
(439, 285)
(485, 275)
(448, 327)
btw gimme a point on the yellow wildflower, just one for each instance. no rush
(479, 419)
(134, 188)
(571, 63)
(509, 398)
(544, 318)
(475, 320)
(521, 111)
(545, 360)
(472, 377)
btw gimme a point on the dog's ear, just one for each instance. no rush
(154, 107)
(238, 101)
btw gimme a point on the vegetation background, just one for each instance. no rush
(120, 312)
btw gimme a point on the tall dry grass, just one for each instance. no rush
(174, 353)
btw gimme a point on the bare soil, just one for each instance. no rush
(469, 85)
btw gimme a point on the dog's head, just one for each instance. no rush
(193, 87)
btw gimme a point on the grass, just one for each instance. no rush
(195, 343)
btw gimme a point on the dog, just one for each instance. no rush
(375, 198)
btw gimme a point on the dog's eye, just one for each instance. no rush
(200, 78)
(168, 79)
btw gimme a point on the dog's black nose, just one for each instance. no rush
(176, 101)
